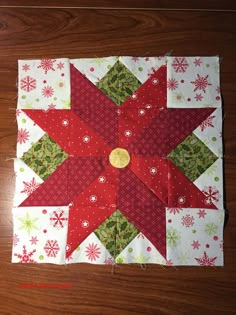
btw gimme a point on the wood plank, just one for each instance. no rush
(126, 4)
(34, 33)
(128, 290)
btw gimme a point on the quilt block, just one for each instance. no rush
(119, 160)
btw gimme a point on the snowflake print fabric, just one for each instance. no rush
(119, 160)
(44, 84)
(193, 82)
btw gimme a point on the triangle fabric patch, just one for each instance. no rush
(94, 108)
(142, 208)
(64, 185)
(170, 128)
(182, 193)
(153, 172)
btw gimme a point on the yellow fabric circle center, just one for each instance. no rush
(119, 158)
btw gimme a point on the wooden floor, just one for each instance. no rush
(77, 28)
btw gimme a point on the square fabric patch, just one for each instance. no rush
(119, 160)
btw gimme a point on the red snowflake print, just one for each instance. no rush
(222, 245)
(26, 257)
(51, 248)
(174, 210)
(172, 84)
(218, 89)
(180, 64)
(201, 83)
(205, 260)
(18, 112)
(51, 106)
(146, 59)
(109, 261)
(57, 219)
(28, 84)
(197, 62)
(212, 195)
(188, 220)
(29, 187)
(207, 123)
(169, 262)
(22, 136)
(25, 67)
(92, 252)
(195, 244)
(34, 240)
(201, 213)
(69, 258)
(152, 71)
(60, 65)
(47, 91)
(135, 59)
(198, 97)
(141, 235)
(47, 64)
(15, 240)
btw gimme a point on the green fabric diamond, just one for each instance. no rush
(192, 157)
(119, 83)
(44, 156)
(116, 233)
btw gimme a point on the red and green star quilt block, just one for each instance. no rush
(119, 160)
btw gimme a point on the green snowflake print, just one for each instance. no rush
(44, 156)
(216, 67)
(211, 229)
(28, 105)
(172, 237)
(192, 157)
(119, 83)
(120, 260)
(116, 233)
(221, 218)
(141, 259)
(66, 104)
(211, 170)
(28, 223)
(99, 61)
(183, 258)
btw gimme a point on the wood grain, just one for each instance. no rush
(126, 4)
(36, 33)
